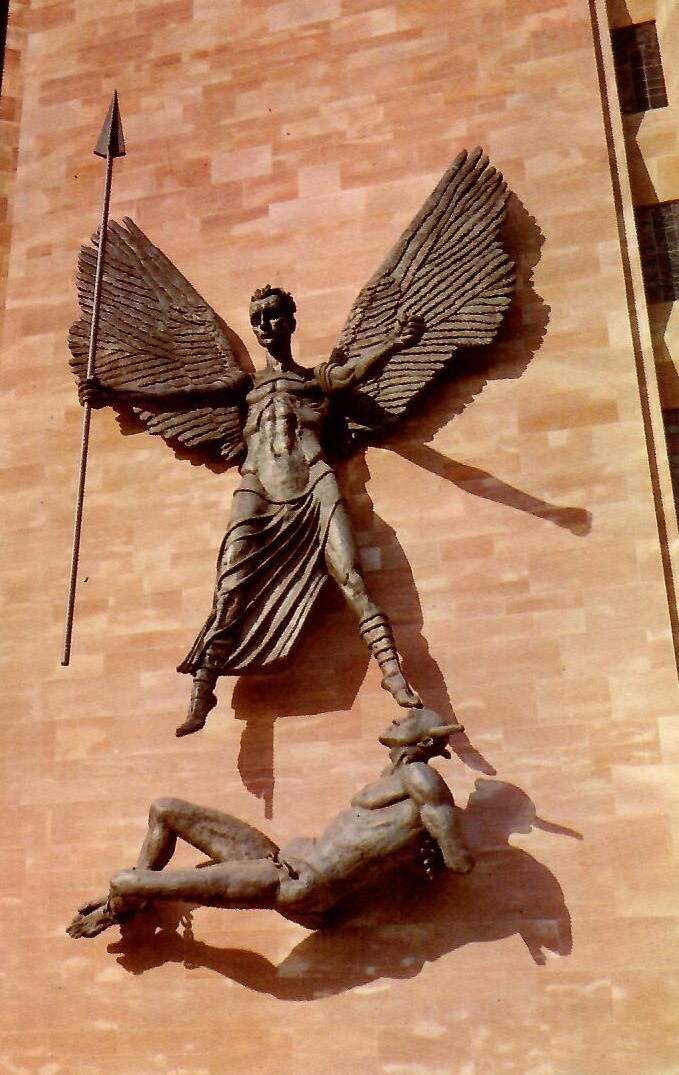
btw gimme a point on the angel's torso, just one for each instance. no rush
(286, 411)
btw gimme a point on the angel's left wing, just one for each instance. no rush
(448, 268)
(156, 332)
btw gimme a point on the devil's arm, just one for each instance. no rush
(438, 813)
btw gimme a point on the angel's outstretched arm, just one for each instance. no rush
(343, 372)
(224, 391)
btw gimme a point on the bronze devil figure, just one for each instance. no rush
(405, 820)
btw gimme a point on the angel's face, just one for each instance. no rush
(270, 320)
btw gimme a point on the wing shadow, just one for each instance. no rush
(517, 343)
(481, 483)
(391, 933)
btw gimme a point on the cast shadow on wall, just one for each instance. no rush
(336, 671)
(394, 931)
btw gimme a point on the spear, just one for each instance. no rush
(111, 144)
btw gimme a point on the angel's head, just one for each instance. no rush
(272, 315)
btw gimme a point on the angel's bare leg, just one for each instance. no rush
(341, 557)
(224, 838)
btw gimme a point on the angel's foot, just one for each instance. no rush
(92, 919)
(203, 701)
(203, 704)
(396, 683)
(376, 632)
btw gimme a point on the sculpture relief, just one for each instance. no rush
(163, 351)
(406, 820)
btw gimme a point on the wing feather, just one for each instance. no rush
(449, 268)
(155, 329)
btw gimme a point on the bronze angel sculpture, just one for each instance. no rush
(163, 351)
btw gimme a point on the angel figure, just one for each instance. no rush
(163, 351)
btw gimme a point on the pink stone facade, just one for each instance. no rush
(517, 530)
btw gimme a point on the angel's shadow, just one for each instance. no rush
(394, 931)
(325, 677)
(326, 672)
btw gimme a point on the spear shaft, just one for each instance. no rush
(110, 145)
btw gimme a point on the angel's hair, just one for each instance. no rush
(285, 296)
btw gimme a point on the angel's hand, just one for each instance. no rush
(410, 331)
(92, 391)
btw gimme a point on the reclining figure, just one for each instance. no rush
(405, 820)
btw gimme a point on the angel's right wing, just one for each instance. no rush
(155, 330)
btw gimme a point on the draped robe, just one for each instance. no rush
(271, 565)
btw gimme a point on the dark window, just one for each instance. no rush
(638, 68)
(658, 231)
(671, 419)
(4, 4)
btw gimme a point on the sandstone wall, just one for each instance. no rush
(511, 531)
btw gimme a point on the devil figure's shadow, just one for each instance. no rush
(391, 932)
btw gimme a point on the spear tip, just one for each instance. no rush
(111, 141)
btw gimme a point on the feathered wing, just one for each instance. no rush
(155, 329)
(449, 268)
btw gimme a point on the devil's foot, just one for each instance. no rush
(92, 919)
